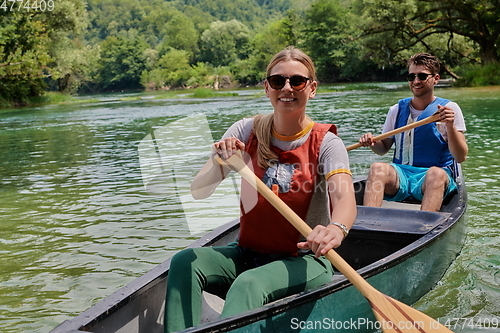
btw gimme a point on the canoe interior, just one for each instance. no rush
(379, 232)
(378, 238)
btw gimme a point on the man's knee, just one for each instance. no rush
(381, 177)
(436, 177)
(379, 170)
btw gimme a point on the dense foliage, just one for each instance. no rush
(102, 45)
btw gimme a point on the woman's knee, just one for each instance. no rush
(249, 285)
(247, 292)
(183, 261)
(249, 282)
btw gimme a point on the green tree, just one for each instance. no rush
(180, 34)
(397, 26)
(72, 64)
(278, 34)
(326, 37)
(273, 38)
(23, 56)
(172, 70)
(224, 43)
(175, 64)
(28, 43)
(226, 10)
(121, 63)
(155, 24)
(71, 58)
(200, 18)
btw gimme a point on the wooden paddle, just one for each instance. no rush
(393, 315)
(428, 120)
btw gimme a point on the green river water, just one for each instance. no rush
(77, 222)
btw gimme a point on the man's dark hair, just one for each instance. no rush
(427, 60)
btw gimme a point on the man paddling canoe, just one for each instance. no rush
(424, 158)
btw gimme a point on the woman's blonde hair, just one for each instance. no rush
(263, 124)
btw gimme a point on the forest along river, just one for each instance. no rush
(77, 222)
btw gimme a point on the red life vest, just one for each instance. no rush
(263, 228)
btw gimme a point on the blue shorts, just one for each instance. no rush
(411, 181)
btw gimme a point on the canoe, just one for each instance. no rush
(400, 250)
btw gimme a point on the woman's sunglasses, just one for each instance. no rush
(421, 76)
(297, 82)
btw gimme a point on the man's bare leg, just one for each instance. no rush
(436, 181)
(382, 178)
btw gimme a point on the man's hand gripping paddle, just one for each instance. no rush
(428, 120)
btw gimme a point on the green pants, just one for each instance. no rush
(229, 273)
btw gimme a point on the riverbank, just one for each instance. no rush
(52, 98)
(472, 78)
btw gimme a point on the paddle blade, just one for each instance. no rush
(397, 317)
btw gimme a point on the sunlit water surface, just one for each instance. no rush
(78, 221)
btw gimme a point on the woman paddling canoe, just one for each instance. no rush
(308, 166)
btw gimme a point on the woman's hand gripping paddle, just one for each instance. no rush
(393, 315)
(428, 120)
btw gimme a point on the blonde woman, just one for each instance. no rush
(309, 166)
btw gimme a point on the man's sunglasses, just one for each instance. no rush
(421, 76)
(297, 82)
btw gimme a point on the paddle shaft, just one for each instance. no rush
(239, 165)
(428, 120)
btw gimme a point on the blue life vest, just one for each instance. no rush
(429, 147)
